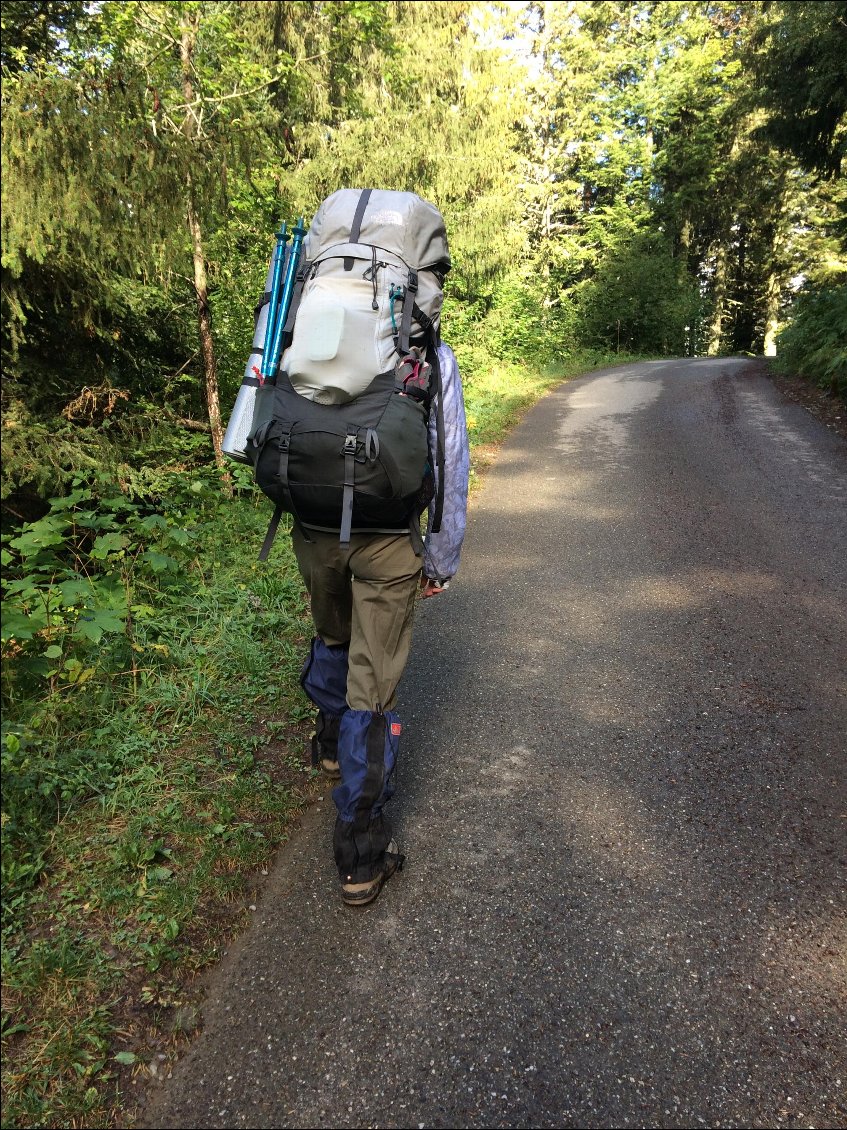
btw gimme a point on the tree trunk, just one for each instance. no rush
(777, 272)
(771, 314)
(716, 329)
(201, 289)
(204, 326)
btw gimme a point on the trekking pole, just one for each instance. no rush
(282, 238)
(285, 301)
(242, 421)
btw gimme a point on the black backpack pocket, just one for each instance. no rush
(305, 453)
(403, 444)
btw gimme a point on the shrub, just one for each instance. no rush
(814, 344)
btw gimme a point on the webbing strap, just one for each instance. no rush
(271, 534)
(356, 229)
(296, 295)
(374, 781)
(287, 502)
(282, 471)
(349, 482)
(408, 307)
(424, 321)
(415, 534)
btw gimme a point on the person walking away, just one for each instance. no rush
(362, 601)
(357, 429)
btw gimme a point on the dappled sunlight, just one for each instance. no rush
(614, 830)
(693, 588)
(609, 828)
(797, 449)
(605, 406)
(556, 489)
(648, 677)
(807, 960)
(548, 496)
(507, 770)
(665, 593)
(676, 591)
(617, 631)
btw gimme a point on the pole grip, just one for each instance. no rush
(287, 291)
(282, 238)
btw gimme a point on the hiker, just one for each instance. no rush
(363, 599)
(351, 412)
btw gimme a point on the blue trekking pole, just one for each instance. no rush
(282, 237)
(293, 263)
(267, 343)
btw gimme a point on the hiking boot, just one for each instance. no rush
(325, 745)
(358, 894)
(329, 767)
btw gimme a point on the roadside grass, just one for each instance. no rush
(198, 776)
(184, 773)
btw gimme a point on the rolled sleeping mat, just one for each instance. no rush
(241, 421)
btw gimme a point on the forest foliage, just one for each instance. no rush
(657, 178)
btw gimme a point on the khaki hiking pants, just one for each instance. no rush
(363, 595)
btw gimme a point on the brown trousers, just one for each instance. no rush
(363, 595)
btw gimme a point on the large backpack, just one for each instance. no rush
(340, 437)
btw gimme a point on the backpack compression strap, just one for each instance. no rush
(356, 229)
(303, 272)
(349, 483)
(288, 501)
(271, 534)
(408, 306)
(284, 444)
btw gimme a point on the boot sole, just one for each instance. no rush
(362, 898)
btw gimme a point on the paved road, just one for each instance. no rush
(622, 795)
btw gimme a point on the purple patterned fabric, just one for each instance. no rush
(442, 550)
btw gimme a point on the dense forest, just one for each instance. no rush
(618, 178)
(660, 177)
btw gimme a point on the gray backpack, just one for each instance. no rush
(340, 434)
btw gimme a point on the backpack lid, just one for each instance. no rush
(399, 222)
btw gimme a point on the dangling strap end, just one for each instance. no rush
(271, 534)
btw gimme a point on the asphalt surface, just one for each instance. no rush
(621, 793)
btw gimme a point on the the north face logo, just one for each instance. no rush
(396, 729)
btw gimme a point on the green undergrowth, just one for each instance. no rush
(153, 752)
(814, 344)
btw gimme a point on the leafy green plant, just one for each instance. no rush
(139, 784)
(814, 344)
